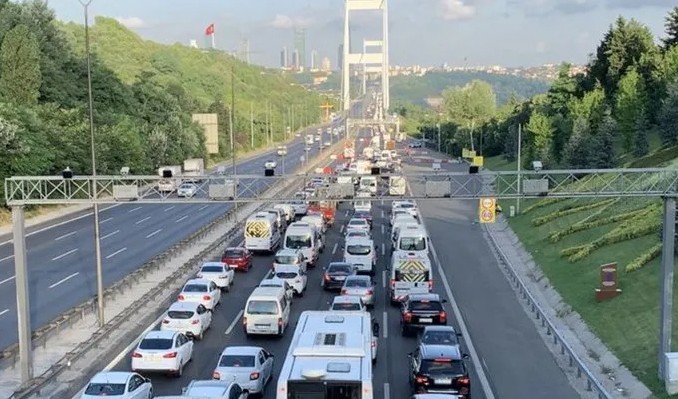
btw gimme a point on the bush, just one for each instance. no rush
(644, 258)
(581, 226)
(570, 210)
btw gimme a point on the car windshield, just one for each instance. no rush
(356, 283)
(233, 253)
(286, 275)
(340, 269)
(156, 343)
(413, 243)
(212, 269)
(357, 233)
(406, 205)
(262, 307)
(440, 338)
(298, 241)
(358, 249)
(95, 389)
(271, 284)
(195, 288)
(357, 222)
(236, 361)
(286, 259)
(426, 305)
(186, 186)
(346, 306)
(443, 366)
(180, 314)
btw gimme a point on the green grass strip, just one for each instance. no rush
(644, 258)
(569, 211)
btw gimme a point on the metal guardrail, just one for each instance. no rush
(68, 318)
(592, 383)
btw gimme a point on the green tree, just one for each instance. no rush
(541, 128)
(578, 151)
(630, 102)
(590, 107)
(20, 77)
(671, 25)
(668, 115)
(472, 104)
(640, 143)
(602, 144)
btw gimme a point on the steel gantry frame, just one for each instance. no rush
(589, 183)
(363, 58)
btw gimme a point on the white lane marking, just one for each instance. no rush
(341, 229)
(7, 280)
(387, 391)
(105, 220)
(202, 207)
(383, 249)
(110, 235)
(181, 218)
(142, 220)
(134, 209)
(65, 254)
(154, 233)
(169, 209)
(6, 258)
(383, 278)
(382, 229)
(4, 311)
(61, 223)
(346, 213)
(121, 250)
(61, 237)
(334, 248)
(234, 322)
(63, 280)
(383, 215)
(385, 325)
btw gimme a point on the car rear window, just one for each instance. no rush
(346, 306)
(286, 259)
(233, 253)
(357, 283)
(443, 366)
(340, 269)
(286, 275)
(105, 389)
(180, 314)
(426, 305)
(262, 307)
(236, 361)
(155, 343)
(195, 288)
(357, 222)
(212, 269)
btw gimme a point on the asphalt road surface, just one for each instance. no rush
(61, 261)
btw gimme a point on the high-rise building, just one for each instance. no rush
(340, 57)
(314, 60)
(326, 65)
(296, 60)
(300, 45)
(284, 58)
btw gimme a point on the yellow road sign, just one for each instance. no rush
(478, 160)
(464, 153)
(488, 210)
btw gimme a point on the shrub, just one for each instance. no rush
(644, 258)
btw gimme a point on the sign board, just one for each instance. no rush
(487, 212)
(125, 191)
(608, 282)
(535, 186)
(211, 127)
(464, 153)
(471, 154)
(478, 160)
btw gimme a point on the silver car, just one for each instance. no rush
(249, 366)
(361, 286)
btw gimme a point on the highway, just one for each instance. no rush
(61, 255)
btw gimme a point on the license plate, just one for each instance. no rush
(443, 381)
(233, 266)
(426, 320)
(340, 278)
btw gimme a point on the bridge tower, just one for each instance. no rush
(371, 62)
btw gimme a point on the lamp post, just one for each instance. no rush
(97, 233)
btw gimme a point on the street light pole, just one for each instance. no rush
(251, 126)
(97, 233)
(438, 125)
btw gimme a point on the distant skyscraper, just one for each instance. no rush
(296, 61)
(326, 65)
(340, 57)
(300, 45)
(284, 58)
(314, 59)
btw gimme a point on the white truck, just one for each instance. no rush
(167, 185)
(397, 185)
(309, 139)
(193, 168)
(410, 274)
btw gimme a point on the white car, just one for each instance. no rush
(294, 276)
(270, 164)
(214, 389)
(358, 224)
(300, 207)
(407, 206)
(190, 318)
(187, 190)
(358, 233)
(395, 214)
(347, 303)
(279, 283)
(201, 291)
(249, 366)
(167, 351)
(119, 385)
(219, 273)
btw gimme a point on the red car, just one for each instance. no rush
(237, 258)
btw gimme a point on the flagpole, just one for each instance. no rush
(213, 45)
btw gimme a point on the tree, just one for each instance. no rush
(668, 116)
(602, 145)
(20, 77)
(630, 101)
(591, 107)
(577, 151)
(541, 128)
(640, 144)
(671, 25)
(474, 103)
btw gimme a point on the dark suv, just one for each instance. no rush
(335, 275)
(439, 369)
(421, 310)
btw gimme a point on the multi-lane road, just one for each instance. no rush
(508, 359)
(61, 254)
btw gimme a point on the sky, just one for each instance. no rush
(421, 32)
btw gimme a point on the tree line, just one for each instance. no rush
(626, 100)
(144, 95)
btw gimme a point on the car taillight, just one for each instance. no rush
(392, 284)
(170, 355)
(374, 343)
(165, 321)
(254, 375)
(420, 379)
(370, 291)
(327, 277)
(137, 355)
(280, 321)
(443, 316)
(181, 297)
(407, 316)
(196, 321)
(216, 375)
(430, 285)
(343, 292)
(206, 297)
(463, 381)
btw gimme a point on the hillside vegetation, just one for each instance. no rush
(623, 112)
(144, 94)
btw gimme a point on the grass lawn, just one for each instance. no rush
(499, 163)
(628, 324)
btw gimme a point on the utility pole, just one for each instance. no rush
(231, 117)
(438, 125)
(251, 125)
(294, 128)
(520, 144)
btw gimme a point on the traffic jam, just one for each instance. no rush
(357, 255)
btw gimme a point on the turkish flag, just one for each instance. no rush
(209, 30)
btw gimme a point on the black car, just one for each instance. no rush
(335, 275)
(439, 335)
(363, 215)
(439, 369)
(421, 310)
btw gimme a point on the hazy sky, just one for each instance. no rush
(425, 32)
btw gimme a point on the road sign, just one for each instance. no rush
(488, 210)
(478, 161)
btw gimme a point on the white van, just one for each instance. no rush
(289, 211)
(369, 184)
(317, 220)
(360, 252)
(262, 232)
(304, 237)
(362, 206)
(411, 238)
(267, 311)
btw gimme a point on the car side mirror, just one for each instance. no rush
(444, 301)
(148, 380)
(459, 334)
(465, 356)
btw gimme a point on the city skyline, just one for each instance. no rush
(457, 32)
